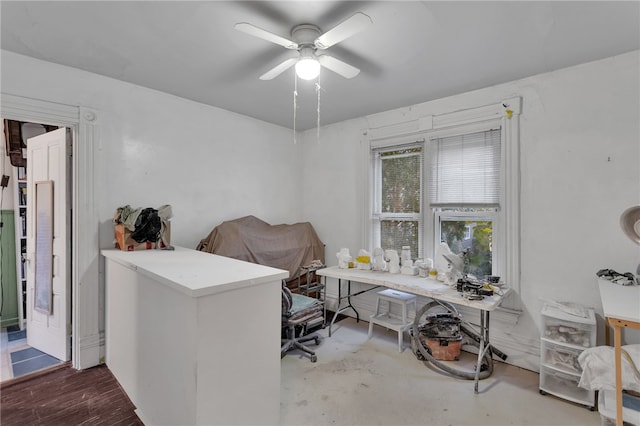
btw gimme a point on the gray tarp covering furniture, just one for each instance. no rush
(250, 239)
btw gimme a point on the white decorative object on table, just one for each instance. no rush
(405, 256)
(343, 258)
(393, 260)
(379, 264)
(363, 260)
(448, 265)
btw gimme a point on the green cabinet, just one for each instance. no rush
(9, 303)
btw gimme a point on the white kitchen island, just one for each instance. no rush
(194, 338)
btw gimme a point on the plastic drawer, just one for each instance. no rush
(564, 328)
(561, 357)
(565, 386)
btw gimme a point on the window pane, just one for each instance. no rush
(397, 233)
(476, 237)
(401, 172)
(465, 169)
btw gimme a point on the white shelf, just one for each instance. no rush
(389, 321)
(20, 207)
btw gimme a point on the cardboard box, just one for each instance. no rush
(125, 243)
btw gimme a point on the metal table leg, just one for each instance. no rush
(339, 310)
(484, 345)
(348, 296)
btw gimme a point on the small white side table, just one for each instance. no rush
(390, 320)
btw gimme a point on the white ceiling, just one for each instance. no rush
(413, 52)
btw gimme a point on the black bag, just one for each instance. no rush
(148, 226)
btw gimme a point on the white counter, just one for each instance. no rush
(621, 306)
(415, 285)
(620, 301)
(189, 271)
(194, 338)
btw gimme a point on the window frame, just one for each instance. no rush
(432, 235)
(388, 131)
(377, 215)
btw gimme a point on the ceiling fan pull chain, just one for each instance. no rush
(295, 105)
(318, 111)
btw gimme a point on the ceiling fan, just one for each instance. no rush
(307, 39)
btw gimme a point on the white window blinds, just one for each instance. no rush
(464, 170)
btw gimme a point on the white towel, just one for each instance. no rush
(599, 368)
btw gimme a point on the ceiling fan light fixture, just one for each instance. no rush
(308, 68)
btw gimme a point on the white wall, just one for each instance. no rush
(210, 164)
(153, 148)
(580, 169)
(580, 150)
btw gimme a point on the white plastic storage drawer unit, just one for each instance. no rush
(564, 337)
(561, 357)
(565, 386)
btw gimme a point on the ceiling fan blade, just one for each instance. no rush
(343, 30)
(337, 66)
(278, 69)
(265, 35)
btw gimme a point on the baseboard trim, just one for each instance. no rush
(89, 347)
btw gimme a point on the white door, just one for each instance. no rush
(48, 243)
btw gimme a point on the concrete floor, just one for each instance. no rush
(368, 382)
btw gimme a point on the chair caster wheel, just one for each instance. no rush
(317, 340)
(314, 358)
(542, 392)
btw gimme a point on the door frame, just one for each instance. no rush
(86, 343)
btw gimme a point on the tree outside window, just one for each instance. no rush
(398, 216)
(472, 237)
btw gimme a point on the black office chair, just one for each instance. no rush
(299, 311)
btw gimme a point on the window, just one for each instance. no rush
(471, 232)
(444, 188)
(464, 196)
(465, 170)
(397, 218)
(467, 232)
(469, 186)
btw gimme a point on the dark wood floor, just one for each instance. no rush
(67, 397)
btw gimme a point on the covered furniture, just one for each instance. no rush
(248, 238)
(299, 311)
